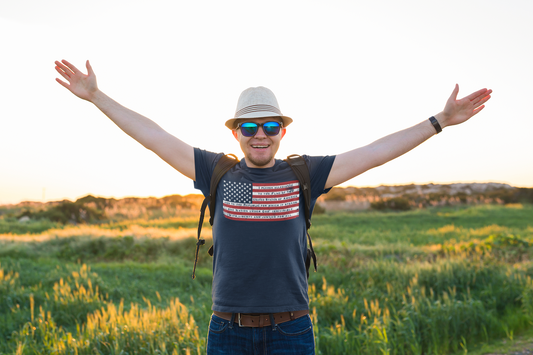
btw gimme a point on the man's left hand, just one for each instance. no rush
(459, 111)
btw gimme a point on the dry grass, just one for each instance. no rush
(94, 231)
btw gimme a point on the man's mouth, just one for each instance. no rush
(260, 146)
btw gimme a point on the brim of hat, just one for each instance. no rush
(232, 123)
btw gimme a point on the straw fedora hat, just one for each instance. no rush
(258, 102)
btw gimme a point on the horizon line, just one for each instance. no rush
(200, 194)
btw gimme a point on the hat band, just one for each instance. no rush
(257, 108)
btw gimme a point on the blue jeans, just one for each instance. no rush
(292, 337)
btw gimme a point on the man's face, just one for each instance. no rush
(259, 150)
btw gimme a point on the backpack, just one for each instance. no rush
(226, 162)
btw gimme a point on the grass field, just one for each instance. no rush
(432, 281)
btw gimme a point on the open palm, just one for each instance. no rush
(82, 85)
(459, 111)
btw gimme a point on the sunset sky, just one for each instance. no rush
(347, 72)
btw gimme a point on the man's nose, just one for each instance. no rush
(260, 133)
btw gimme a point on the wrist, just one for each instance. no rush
(435, 124)
(97, 97)
(441, 119)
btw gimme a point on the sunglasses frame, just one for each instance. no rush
(260, 125)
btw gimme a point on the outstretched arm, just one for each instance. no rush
(357, 161)
(145, 131)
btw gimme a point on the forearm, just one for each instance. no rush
(145, 131)
(169, 148)
(396, 144)
(357, 161)
(140, 128)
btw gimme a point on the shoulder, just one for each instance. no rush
(319, 162)
(206, 158)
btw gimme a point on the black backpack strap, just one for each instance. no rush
(225, 163)
(299, 166)
(200, 241)
(300, 169)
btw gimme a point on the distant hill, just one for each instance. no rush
(90, 209)
(95, 209)
(405, 197)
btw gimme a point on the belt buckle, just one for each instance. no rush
(241, 325)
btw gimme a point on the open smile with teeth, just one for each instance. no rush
(260, 146)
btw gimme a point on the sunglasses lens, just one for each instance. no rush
(271, 128)
(249, 129)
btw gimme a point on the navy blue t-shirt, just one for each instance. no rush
(259, 234)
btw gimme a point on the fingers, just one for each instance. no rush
(64, 68)
(455, 92)
(71, 67)
(476, 95)
(62, 83)
(63, 72)
(477, 110)
(477, 104)
(89, 68)
(453, 95)
(481, 100)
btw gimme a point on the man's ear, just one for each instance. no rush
(235, 134)
(283, 131)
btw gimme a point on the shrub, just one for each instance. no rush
(395, 204)
(66, 212)
(336, 194)
(318, 209)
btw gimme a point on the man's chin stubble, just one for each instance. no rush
(260, 163)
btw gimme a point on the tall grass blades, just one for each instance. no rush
(527, 300)
(387, 307)
(112, 330)
(73, 298)
(8, 280)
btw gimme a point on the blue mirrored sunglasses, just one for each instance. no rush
(249, 129)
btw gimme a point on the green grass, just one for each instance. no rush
(433, 281)
(13, 226)
(414, 227)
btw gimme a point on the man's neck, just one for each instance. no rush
(252, 165)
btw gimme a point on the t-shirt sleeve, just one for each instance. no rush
(204, 164)
(319, 168)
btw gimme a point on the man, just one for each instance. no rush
(260, 301)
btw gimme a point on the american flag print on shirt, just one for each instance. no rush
(261, 202)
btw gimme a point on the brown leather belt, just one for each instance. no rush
(262, 320)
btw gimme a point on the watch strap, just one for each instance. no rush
(435, 124)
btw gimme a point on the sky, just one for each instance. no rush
(347, 72)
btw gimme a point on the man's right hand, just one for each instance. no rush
(177, 153)
(81, 85)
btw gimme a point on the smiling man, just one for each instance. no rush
(258, 106)
(260, 300)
